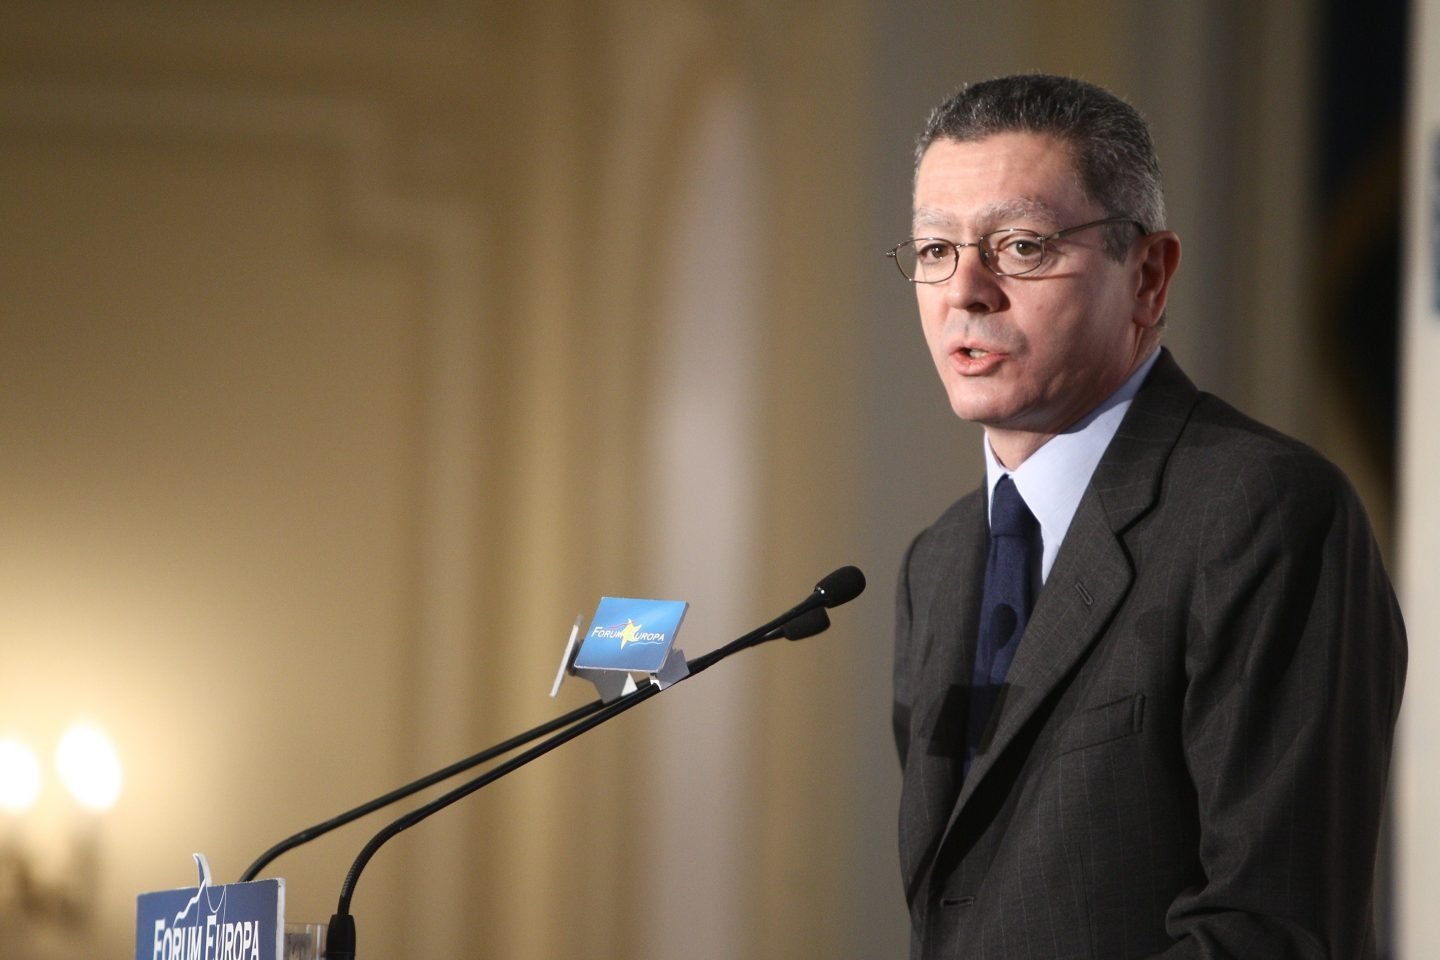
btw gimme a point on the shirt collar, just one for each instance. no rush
(1052, 480)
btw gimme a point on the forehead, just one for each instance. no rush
(1008, 179)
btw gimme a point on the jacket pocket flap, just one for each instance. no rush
(1104, 723)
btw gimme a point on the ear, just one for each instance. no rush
(1157, 256)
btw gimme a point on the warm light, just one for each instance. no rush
(89, 766)
(19, 776)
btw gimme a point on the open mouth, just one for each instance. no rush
(975, 353)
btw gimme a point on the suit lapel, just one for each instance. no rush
(1092, 571)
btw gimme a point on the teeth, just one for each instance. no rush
(975, 353)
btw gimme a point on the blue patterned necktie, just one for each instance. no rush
(1004, 606)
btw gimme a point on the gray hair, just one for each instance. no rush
(1113, 155)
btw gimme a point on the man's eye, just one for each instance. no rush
(1024, 249)
(932, 252)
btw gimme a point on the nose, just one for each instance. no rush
(973, 288)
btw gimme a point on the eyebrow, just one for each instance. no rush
(993, 216)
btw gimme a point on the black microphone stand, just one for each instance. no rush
(803, 620)
(400, 793)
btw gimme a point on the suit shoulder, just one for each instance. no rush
(938, 545)
(959, 518)
(1229, 469)
(1220, 441)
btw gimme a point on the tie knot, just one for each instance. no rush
(1009, 517)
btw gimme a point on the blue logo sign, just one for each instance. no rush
(631, 634)
(237, 921)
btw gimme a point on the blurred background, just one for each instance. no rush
(349, 350)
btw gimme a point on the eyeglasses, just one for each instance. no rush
(1011, 252)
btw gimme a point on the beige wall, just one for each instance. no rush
(1418, 787)
(340, 373)
(349, 350)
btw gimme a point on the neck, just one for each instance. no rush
(1012, 447)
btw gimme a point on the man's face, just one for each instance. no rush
(1026, 356)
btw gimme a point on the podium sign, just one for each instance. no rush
(236, 921)
(631, 635)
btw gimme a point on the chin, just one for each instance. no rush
(968, 404)
(973, 412)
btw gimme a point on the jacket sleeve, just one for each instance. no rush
(1295, 663)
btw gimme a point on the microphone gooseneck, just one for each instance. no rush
(803, 620)
(409, 789)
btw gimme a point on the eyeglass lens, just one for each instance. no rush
(1009, 253)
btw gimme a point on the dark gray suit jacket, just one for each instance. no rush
(1190, 755)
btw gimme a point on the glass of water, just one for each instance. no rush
(304, 941)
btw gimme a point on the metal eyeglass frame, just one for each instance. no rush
(987, 251)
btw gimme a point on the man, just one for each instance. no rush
(1146, 677)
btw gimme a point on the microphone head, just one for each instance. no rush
(842, 586)
(812, 621)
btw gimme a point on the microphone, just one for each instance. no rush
(807, 624)
(803, 620)
(837, 587)
(841, 586)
